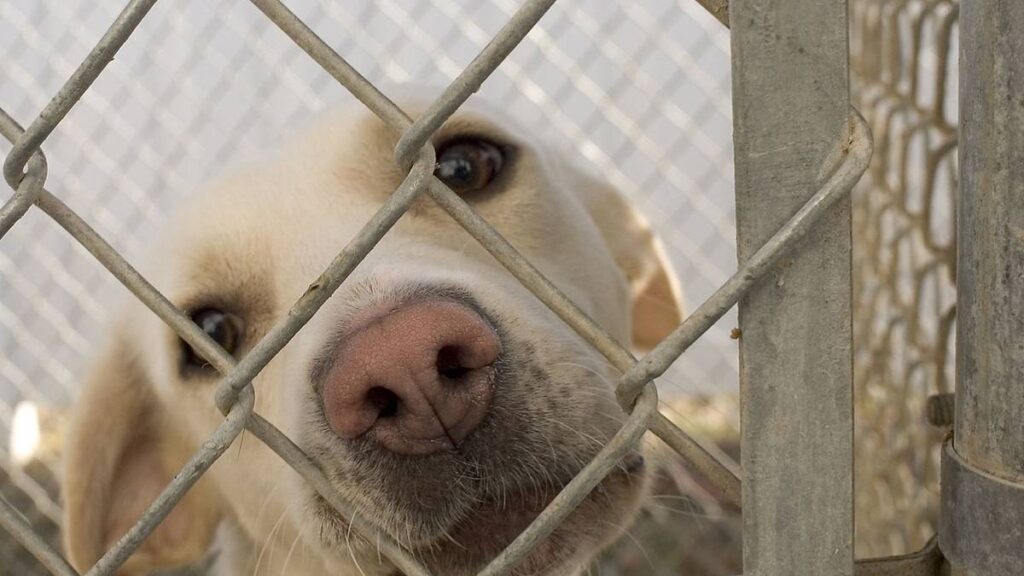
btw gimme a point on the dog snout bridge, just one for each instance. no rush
(775, 39)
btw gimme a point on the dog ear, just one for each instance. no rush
(120, 453)
(657, 299)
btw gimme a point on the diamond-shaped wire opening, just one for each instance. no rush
(25, 169)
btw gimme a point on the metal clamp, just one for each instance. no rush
(981, 525)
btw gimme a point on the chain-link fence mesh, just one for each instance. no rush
(641, 89)
(177, 106)
(904, 68)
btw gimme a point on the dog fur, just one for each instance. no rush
(251, 242)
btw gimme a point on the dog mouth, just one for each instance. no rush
(458, 508)
(503, 519)
(487, 528)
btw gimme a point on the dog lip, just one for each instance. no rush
(631, 464)
(500, 518)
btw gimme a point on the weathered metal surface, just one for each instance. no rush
(790, 103)
(926, 562)
(982, 520)
(990, 337)
(982, 524)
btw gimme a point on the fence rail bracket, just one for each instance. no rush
(981, 526)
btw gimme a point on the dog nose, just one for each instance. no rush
(417, 380)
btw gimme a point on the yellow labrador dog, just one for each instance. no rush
(437, 394)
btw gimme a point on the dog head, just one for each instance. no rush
(435, 392)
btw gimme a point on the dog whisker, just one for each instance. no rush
(291, 549)
(269, 543)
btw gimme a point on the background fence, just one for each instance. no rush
(904, 71)
(642, 89)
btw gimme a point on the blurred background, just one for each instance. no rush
(640, 89)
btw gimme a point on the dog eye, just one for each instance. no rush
(220, 326)
(467, 165)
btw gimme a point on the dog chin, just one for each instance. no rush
(482, 534)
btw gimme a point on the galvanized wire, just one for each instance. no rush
(239, 412)
(20, 262)
(155, 126)
(23, 532)
(235, 395)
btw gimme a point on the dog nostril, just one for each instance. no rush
(417, 382)
(448, 365)
(384, 400)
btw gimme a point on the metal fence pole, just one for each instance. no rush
(791, 118)
(982, 523)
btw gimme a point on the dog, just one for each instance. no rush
(436, 393)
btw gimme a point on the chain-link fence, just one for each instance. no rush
(176, 107)
(642, 89)
(235, 395)
(904, 66)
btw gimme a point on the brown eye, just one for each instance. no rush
(221, 327)
(468, 165)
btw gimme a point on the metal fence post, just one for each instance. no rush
(982, 523)
(791, 118)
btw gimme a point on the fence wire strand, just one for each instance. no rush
(157, 124)
(25, 170)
